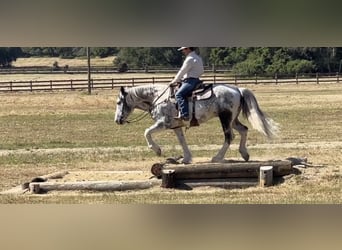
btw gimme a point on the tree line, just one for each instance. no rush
(240, 60)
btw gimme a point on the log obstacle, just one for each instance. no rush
(107, 186)
(168, 178)
(266, 176)
(221, 174)
(169, 175)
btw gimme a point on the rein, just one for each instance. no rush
(138, 118)
(143, 115)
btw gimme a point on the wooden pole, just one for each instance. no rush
(337, 77)
(89, 76)
(266, 176)
(168, 180)
(43, 187)
(317, 78)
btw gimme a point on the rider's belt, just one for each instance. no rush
(192, 78)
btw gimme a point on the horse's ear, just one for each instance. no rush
(122, 90)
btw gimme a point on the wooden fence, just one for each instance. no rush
(111, 83)
(94, 70)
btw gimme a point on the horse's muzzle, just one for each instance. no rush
(120, 121)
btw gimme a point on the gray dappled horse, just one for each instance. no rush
(225, 103)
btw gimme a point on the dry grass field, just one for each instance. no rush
(44, 132)
(75, 62)
(80, 62)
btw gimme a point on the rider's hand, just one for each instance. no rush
(173, 84)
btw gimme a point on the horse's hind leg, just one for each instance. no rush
(226, 122)
(243, 130)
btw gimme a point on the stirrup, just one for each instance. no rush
(182, 118)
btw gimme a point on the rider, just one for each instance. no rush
(188, 75)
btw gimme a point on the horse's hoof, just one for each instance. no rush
(187, 161)
(172, 161)
(214, 159)
(246, 157)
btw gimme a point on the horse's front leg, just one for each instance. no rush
(187, 157)
(158, 126)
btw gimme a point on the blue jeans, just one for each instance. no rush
(188, 85)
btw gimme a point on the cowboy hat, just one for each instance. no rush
(181, 48)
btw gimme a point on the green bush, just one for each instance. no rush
(302, 66)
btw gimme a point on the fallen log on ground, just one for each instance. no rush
(43, 187)
(43, 178)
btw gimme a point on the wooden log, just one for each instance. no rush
(168, 178)
(221, 183)
(57, 175)
(156, 169)
(228, 170)
(34, 188)
(43, 178)
(266, 176)
(43, 187)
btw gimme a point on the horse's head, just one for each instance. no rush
(123, 109)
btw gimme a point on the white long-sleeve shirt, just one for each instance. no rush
(192, 67)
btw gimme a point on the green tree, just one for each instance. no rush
(256, 62)
(103, 51)
(299, 66)
(143, 57)
(280, 58)
(217, 56)
(8, 55)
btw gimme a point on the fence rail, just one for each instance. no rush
(111, 83)
(94, 70)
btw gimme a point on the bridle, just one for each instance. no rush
(145, 114)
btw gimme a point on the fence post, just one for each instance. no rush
(276, 78)
(214, 78)
(51, 84)
(133, 82)
(296, 78)
(317, 78)
(256, 79)
(71, 87)
(112, 83)
(31, 88)
(235, 79)
(337, 77)
(11, 86)
(153, 80)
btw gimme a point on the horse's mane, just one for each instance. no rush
(145, 91)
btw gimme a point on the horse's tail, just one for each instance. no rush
(258, 119)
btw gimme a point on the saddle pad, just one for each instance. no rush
(204, 93)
